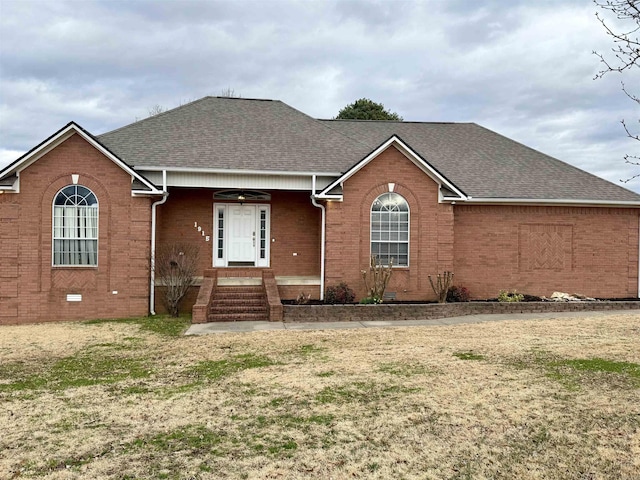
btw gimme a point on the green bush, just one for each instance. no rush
(513, 296)
(370, 300)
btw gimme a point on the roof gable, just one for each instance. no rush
(12, 171)
(394, 141)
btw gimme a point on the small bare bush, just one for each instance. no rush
(441, 285)
(377, 278)
(176, 265)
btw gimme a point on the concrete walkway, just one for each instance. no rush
(235, 327)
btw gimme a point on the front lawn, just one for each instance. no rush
(134, 399)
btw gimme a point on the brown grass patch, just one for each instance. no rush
(491, 400)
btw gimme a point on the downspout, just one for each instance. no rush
(322, 235)
(638, 256)
(165, 195)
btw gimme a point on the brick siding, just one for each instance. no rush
(32, 289)
(430, 231)
(539, 250)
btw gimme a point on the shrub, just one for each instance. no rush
(370, 300)
(340, 293)
(176, 265)
(458, 294)
(303, 298)
(377, 278)
(441, 285)
(513, 296)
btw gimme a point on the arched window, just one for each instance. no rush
(75, 227)
(390, 229)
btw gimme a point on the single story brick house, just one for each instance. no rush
(280, 203)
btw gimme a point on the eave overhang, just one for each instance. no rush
(544, 202)
(14, 168)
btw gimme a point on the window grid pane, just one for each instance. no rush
(390, 229)
(263, 234)
(220, 233)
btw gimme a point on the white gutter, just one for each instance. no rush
(165, 195)
(542, 201)
(322, 235)
(234, 171)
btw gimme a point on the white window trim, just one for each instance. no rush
(408, 242)
(53, 237)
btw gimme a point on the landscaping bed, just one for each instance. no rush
(427, 311)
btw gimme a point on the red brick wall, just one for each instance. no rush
(33, 290)
(295, 226)
(539, 250)
(430, 232)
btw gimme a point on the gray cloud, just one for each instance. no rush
(524, 69)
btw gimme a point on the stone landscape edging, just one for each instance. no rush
(430, 311)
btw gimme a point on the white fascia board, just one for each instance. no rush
(117, 161)
(60, 137)
(409, 153)
(38, 152)
(543, 202)
(236, 171)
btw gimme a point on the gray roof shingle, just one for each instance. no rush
(485, 164)
(234, 133)
(268, 135)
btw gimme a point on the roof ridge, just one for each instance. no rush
(319, 122)
(151, 117)
(391, 121)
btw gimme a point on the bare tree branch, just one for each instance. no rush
(176, 265)
(626, 51)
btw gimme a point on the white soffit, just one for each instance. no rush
(262, 181)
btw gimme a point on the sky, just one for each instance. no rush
(522, 68)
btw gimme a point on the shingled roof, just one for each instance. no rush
(234, 134)
(221, 133)
(485, 164)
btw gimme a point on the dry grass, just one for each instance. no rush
(493, 400)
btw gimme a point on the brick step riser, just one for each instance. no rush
(235, 310)
(237, 318)
(238, 303)
(233, 302)
(239, 290)
(241, 298)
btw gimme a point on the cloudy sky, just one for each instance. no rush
(522, 68)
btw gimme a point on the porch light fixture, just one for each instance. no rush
(241, 196)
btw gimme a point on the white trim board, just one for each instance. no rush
(60, 136)
(408, 152)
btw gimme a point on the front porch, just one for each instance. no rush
(248, 294)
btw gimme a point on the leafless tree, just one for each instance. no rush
(156, 109)
(626, 52)
(176, 265)
(229, 92)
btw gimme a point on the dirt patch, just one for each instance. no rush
(492, 400)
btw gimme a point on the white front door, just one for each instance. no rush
(242, 235)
